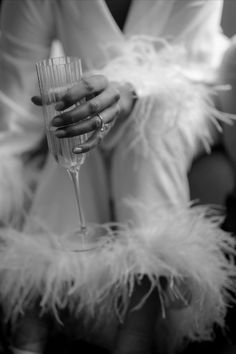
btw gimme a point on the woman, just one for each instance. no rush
(141, 166)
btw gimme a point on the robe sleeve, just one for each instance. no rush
(26, 36)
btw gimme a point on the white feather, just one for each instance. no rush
(191, 247)
(168, 91)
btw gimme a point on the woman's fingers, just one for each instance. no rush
(94, 140)
(90, 124)
(89, 106)
(97, 104)
(37, 100)
(87, 86)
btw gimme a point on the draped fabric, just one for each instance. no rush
(194, 23)
(160, 235)
(28, 29)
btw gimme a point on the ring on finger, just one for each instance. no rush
(103, 124)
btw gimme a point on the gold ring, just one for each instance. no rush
(103, 124)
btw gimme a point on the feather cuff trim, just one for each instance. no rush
(167, 91)
(191, 247)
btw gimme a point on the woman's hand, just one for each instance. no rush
(94, 105)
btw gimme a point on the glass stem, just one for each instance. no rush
(75, 178)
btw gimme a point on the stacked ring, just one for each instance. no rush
(103, 124)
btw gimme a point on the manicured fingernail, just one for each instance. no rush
(59, 106)
(60, 133)
(36, 100)
(77, 150)
(57, 121)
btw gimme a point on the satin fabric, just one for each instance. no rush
(86, 29)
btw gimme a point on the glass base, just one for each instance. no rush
(91, 238)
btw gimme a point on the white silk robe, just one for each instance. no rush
(151, 173)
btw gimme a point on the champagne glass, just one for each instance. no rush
(55, 77)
